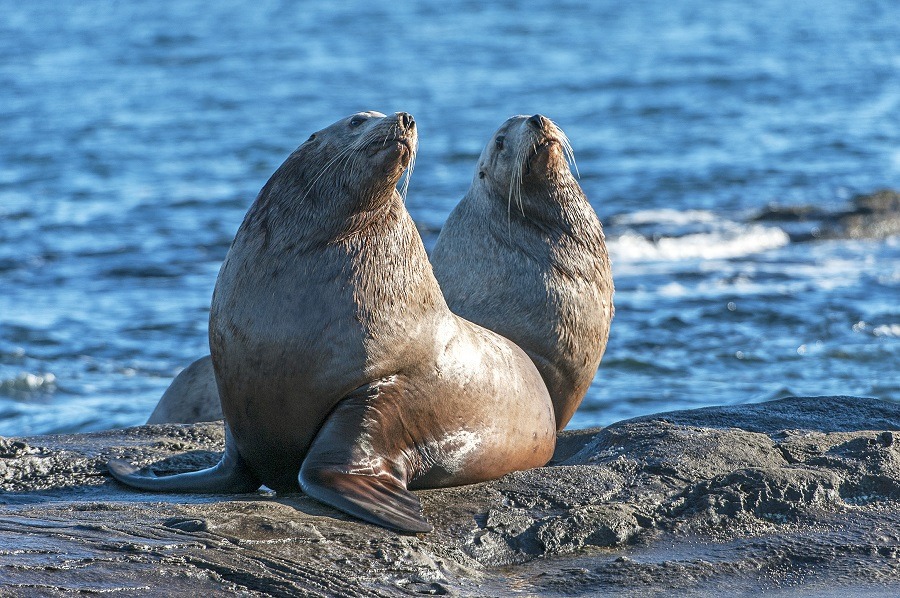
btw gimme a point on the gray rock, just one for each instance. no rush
(792, 497)
(870, 216)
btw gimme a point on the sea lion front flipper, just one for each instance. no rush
(356, 462)
(230, 475)
(376, 498)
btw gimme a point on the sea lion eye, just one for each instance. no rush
(311, 137)
(499, 142)
(357, 120)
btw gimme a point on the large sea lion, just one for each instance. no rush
(338, 362)
(523, 254)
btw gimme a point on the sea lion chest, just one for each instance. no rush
(294, 330)
(287, 344)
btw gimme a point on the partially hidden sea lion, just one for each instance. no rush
(191, 397)
(340, 368)
(523, 254)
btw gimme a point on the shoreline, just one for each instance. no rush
(797, 495)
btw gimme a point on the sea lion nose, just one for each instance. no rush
(538, 122)
(406, 120)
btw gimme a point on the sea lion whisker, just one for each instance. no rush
(521, 178)
(512, 191)
(345, 158)
(395, 132)
(509, 213)
(569, 152)
(342, 163)
(404, 186)
(318, 176)
(325, 169)
(409, 170)
(370, 138)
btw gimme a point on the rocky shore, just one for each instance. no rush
(799, 496)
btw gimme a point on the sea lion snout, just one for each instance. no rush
(406, 120)
(394, 138)
(539, 122)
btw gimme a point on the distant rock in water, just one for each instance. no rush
(871, 216)
(876, 216)
(799, 493)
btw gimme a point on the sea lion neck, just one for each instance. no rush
(401, 311)
(553, 206)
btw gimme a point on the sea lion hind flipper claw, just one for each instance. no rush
(380, 499)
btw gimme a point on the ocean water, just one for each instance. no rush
(134, 136)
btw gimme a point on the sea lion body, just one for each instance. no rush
(336, 357)
(523, 254)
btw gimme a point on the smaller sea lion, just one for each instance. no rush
(523, 254)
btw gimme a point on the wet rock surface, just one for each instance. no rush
(796, 496)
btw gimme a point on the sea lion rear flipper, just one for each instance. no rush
(356, 462)
(230, 475)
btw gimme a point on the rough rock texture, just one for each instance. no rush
(794, 497)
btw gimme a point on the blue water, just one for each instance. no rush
(134, 136)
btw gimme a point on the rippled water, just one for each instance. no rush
(135, 136)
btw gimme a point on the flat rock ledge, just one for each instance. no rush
(799, 496)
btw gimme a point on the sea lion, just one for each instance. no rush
(523, 254)
(191, 397)
(338, 362)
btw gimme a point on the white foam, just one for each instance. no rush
(673, 289)
(665, 216)
(887, 330)
(727, 242)
(28, 383)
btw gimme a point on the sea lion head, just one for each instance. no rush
(363, 148)
(350, 166)
(526, 156)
